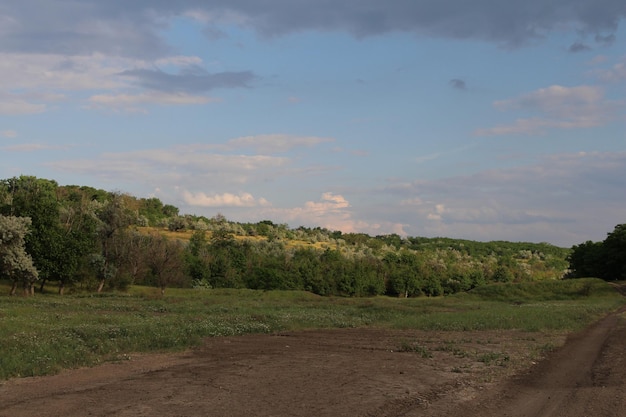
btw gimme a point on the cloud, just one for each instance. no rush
(332, 211)
(45, 72)
(605, 40)
(58, 28)
(223, 200)
(41, 78)
(133, 102)
(578, 47)
(554, 199)
(458, 84)
(116, 51)
(616, 73)
(198, 167)
(278, 143)
(26, 103)
(191, 80)
(118, 28)
(33, 147)
(8, 134)
(559, 108)
(18, 106)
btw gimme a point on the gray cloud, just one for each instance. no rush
(554, 199)
(578, 47)
(605, 40)
(190, 80)
(132, 28)
(458, 84)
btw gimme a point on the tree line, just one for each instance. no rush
(90, 239)
(605, 259)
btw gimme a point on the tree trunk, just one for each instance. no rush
(61, 287)
(162, 291)
(43, 283)
(13, 288)
(101, 286)
(29, 289)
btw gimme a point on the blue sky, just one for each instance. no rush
(484, 120)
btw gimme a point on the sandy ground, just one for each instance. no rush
(349, 372)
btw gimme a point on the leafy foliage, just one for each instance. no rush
(85, 238)
(606, 259)
(14, 261)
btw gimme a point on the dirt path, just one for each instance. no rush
(352, 372)
(586, 377)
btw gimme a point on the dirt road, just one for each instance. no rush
(351, 372)
(586, 377)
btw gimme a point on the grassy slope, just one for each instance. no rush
(43, 334)
(185, 235)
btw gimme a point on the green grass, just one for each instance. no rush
(43, 334)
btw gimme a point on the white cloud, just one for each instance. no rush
(331, 211)
(14, 104)
(269, 144)
(173, 165)
(616, 73)
(32, 147)
(191, 168)
(37, 72)
(334, 212)
(8, 134)
(559, 108)
(330, 203)
(223, 200)
(29, 81)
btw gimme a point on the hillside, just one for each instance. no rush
(87, 238)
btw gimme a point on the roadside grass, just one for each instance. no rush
(43, 334)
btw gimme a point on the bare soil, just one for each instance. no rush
(349, 372)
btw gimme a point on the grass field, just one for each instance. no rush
(43, 334)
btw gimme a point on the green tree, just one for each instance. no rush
(165, 262)
(615, 247)
(47, 244)
(403, 273)
(588, 260)
(15, 262)
(113, 218)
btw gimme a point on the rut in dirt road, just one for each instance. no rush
(585, 378)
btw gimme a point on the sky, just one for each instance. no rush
(472, 119)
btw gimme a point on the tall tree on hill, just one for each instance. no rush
(615, 247)
(588, 260)
(15, 262)
(606, 259)
(165, 262)
(114, 218)
(63, 222)
(36, 198)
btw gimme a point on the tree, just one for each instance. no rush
(113, 219)
(606, 259)
(402, 275)
(15, 262)
(37, 199)
(588, 260)
(165, 261)
(197, 259)
(615, 247)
